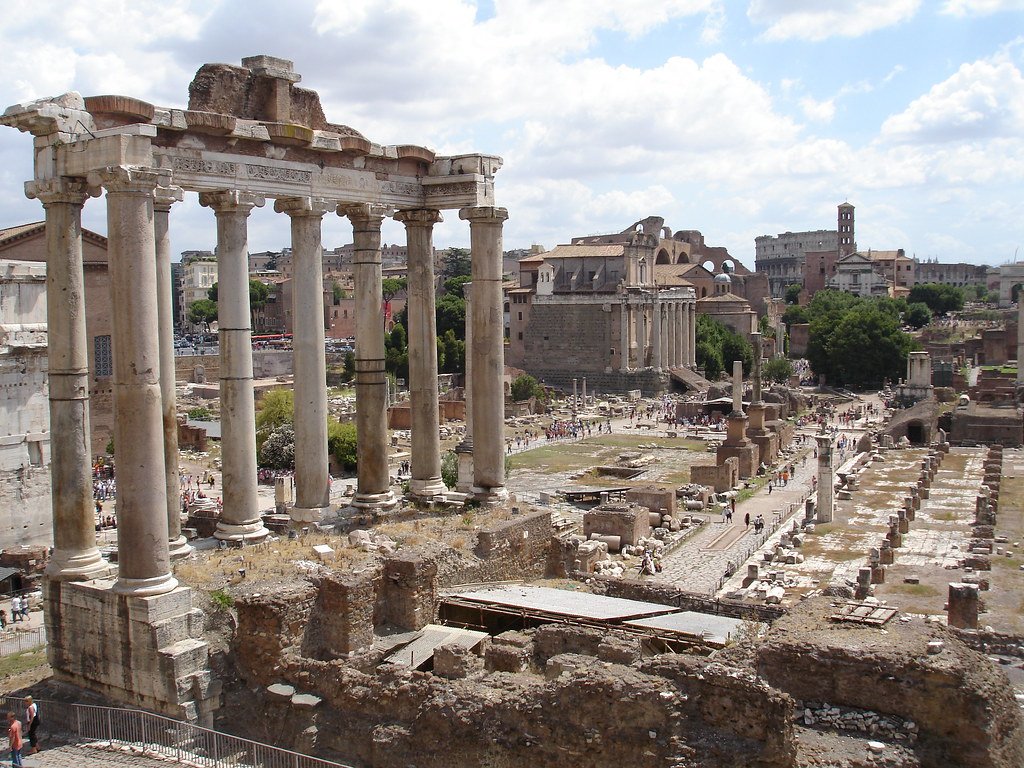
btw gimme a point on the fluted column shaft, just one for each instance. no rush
(373, 491)
(75, 555)
(639, 318)
(312, 481)
(485, 225)
(680, 339)
(691, 341)
(144, 563)
(164, 198)
(467, 292)
(670, 335)
(656, 334)
(240, 514)
(624, 335)
(426, 444)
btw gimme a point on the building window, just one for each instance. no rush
(520, 335)
(35, 453)
(102, 356)
(520, 317)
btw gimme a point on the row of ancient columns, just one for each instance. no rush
(145, 427)
(660, 334)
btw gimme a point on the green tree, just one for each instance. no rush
(338, 293)
(450, 469)
(396, 352)
(456, 262)
(349, 366)
(278, 449)
(778, 369)
(525, 386)
(795, 314)
(451, 315)
(391, 286)
(793, 293)
(341, 442)
(918, 315)
(718, 345)
(454, 358)
(212, 293)
(867, 348)
(456, 285)
(200, 413)
(258, 295)
(276, 409)
(202, 312)
(940, 299)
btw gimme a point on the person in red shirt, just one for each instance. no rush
(14, 739)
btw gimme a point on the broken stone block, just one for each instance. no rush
(280, 692)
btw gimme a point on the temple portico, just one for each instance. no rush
(655, 326)
(249, 135)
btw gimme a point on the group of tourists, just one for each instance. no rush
(16, 731)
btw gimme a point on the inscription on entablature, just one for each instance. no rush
(198, 165)
(459, 188)
(269, 172)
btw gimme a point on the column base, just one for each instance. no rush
(155, 585)
(179, 548)
(245, 532)
(374, 502)
(490, 497)
(427, 489)
(305, 515)
(77, 566)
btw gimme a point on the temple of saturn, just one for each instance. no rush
(249, 134)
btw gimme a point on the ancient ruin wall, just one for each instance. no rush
(963, 705)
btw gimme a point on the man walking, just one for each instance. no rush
(14, 739)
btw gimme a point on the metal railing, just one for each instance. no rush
(163, 736)
(12, 641)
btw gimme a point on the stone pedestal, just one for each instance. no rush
(147, 652)
(739, 447)
(826, 479)
(962, 606)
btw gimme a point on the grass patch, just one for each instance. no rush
(917, 590)
(22, 661)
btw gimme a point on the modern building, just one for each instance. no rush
(198, 274)
(957, 274)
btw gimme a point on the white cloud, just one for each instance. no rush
(983, 100)
(816, 21)
(818, 111)
(962, 8)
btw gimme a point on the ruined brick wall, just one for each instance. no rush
(583, 713)
(408, 592)
(268, 626)
(342, 618)
(962, 704)
(513, 549)
(572, 338)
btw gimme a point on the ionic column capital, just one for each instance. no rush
(165, 197)
(60, 191)
(129, 180)
(364, 214)
(303, 206)
(419, 217)
(234, 201)
(483, 214)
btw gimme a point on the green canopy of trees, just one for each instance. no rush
(918, 315)
(939, 298)
(392, 286)
(793, 293)
(525, 386)
(202, 312)
(856, 342)
(778, 369)
(341, 442)
(717, 347)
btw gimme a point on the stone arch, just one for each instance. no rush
(683, 258)
(663, 257)
(916, 432)
(1015, 292)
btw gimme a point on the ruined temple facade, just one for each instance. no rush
(621, 308)
(249, 133)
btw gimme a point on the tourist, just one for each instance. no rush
(32, 723)
(746, 520)
(15, 609)
(14, 739)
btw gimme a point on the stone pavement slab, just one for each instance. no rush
(82, 756)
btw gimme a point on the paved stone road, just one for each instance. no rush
(74, 756)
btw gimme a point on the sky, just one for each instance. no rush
(737, 118)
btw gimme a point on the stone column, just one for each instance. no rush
(164, 198)
(1020, 341)
(373, 491)
(679, 323)
(672, 335)
(426, 444)
(240, 516)
(826, 477)
(312, 481)
(755, 340)
(640, 333)
(656, 335)
(575, 395)
(75, 555)
(584, 391)
(737, 387)
(144, 563)
(691, 342)
(962, 606)
(485, 224)
(464, 450)
(624, 335)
